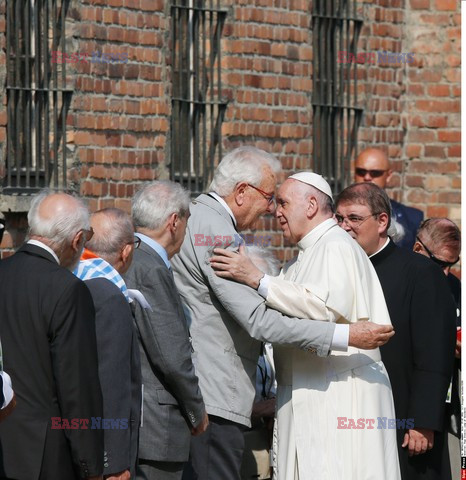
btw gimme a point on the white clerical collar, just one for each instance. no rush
(311, 238)
(224, 205)
(381, 248)
(37, 243)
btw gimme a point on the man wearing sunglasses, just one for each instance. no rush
(372, 165)
(440, 240)
(419, 358)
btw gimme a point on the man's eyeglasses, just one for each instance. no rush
(136, 242)
(354, 221)
(440, 263)
(270, 197)
(362, 172)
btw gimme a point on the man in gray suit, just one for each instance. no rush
(173, 408)
(230, 320)
(107, 256)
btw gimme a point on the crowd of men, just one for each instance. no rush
(133, 348)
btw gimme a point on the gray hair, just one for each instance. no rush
(63, 226)
(116, 231)
(154, 203)
(244, 164)
(264, 259)
(325, 202)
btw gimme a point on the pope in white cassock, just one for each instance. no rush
(331, 279)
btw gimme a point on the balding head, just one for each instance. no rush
(61, 222)
(113, 238)
(372, 165)
(440, 240)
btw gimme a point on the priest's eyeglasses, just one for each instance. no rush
(440, 263)
(353, 221)
(270, 197)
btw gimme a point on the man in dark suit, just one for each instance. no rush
(107, 256)
(419, 358)
(372, 165)
(440, 240)
(173, 408)
(48, 337)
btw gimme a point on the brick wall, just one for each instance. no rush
(120, 112)
(414, 110)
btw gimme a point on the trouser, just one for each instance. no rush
(217, 453)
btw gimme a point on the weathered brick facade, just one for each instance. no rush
(118, 125)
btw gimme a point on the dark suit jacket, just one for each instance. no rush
(419, 358)
(48, 337)
(172, 401)
(410, 218)
(119, 373)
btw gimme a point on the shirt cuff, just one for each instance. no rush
(340, 338)
(7, 389)
(263, 288)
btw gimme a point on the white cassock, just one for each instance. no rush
(334, 281)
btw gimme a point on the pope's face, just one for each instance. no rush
(358, 221)
(291, 211)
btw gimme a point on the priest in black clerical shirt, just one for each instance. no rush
(419, 358)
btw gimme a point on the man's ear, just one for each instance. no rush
(76, 242)
(312, 206)
(383, 222)
(173, 221)
(417, 247)
(126, 253)
(239, 192)
(389, 175)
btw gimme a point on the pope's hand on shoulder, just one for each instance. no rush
(236, 266)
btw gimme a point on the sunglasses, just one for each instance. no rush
(270, 197)
(440, 263)
(362, 172)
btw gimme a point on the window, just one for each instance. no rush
(37, 97)
(336, 115)
(198, 107)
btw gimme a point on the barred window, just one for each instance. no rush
(336, 114)
(37, 97)
(198, 106)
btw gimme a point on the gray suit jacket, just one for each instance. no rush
(172, 401)
(229, 320)
(119, 374)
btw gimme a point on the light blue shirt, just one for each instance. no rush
(155, 246)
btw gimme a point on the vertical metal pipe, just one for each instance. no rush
(45, 83)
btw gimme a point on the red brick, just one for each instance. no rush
(452, 5)
(449, 136)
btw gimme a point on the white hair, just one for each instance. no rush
(63, 226)
(244, 164)
(154, 203)
(116, 231)
(264, 259)
(396, 231)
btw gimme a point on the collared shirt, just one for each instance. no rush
(37, 243)
(224, 205)
(156, 247)
(381, 248)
